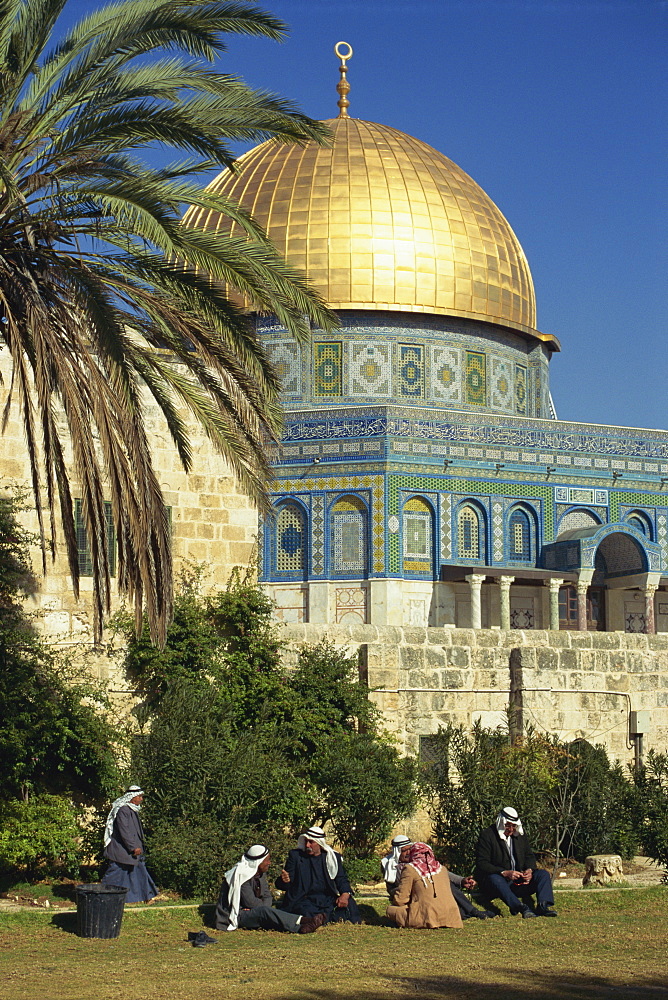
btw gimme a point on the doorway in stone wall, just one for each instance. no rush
(568, 609)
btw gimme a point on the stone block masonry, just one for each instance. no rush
(422, 678)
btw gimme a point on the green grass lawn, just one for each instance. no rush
(603, 945)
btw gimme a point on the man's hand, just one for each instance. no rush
(527, 876)
(513, 876)
(469, 882)
(284, 877)
(136, 852)
(342, 901)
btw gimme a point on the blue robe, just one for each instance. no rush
(311, 890)
(126, 869)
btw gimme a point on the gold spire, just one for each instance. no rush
(343, 87)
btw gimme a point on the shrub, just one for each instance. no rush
(474, 774)
(651, 781)
(241, 750)
(572, 800)
(606, 808)
(41, 837)
(362, 871)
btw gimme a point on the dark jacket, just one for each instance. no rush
(492, 856)
(302, 894)
(127, 834)
(255, 892)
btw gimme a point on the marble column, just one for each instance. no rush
(504, 583)
(650, 621)
(475, 582)
(583, 587)
(555, 586)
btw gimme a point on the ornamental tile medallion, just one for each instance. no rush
(285, 356)
(370, 369)
(446, 374)
(502, 384)
(521, 390)
(476, 379)
(327, 369)
(411, 371)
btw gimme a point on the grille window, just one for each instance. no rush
(520, 536)
(83, 548)
(469, 533)
(290, 541)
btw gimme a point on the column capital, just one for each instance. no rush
(554, 584)
(476, 579)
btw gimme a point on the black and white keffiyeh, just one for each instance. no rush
(317, 834)
(391, 860)
(244, 870)
(122, 800)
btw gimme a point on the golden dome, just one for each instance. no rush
(383, 221)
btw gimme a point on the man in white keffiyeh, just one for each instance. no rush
(390, 862)
(124, 848)
(506, 867)
(315, 881)
(245, 899)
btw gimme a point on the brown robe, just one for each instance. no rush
(415, 903)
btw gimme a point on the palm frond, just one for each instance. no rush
(108, 299)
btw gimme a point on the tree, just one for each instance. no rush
(572, 799)
(53, 736)
(97, 272)
(235, 747)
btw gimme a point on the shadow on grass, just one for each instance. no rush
(65, 922)
(207, 911)
(525, 986)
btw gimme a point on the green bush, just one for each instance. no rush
(239, 750)
(41, 837)
(606, 809)
(651, 781)
(362, 871)
(572, 800)
(53, 738)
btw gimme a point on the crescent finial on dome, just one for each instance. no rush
(343, 87)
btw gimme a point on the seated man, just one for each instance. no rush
(398, 856)
(424, 897)
(245, 899)
(506, 867)
(390, 863)
(315, 881)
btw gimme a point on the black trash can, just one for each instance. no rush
(100, 910)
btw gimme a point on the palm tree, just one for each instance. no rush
(97, 271)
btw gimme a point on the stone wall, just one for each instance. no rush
(212, 523)
(573, 684)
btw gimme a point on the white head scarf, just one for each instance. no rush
(317, 834)
(123, 800)
(240, 873)
(391, 860)
(508, 815)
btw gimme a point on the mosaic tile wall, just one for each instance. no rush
(442, 361)
(396, 501)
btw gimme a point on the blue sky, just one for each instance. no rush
(557, 109)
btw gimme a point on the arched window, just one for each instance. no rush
(577, 518)
(469, 533)
(290, 543)
(519, 541)
(348, 538)
(418, 534)
(641, 523)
